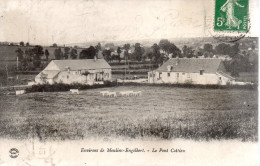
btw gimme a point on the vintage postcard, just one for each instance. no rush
(129, 82)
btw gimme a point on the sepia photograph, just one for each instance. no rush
(129, 82)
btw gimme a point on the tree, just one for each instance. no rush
(208, 47)
(118, 53)
(47, 54)
(126, 47)
(234, 68)
(158, 58)
(165, 45)
(169, 48)
(37, 54)
(57, 54)
(54, 45)
(188, 52)
(66, 52)
(88, 53)
(21, 43)
(138, 52)
(27, 44)
(107, 55)
(222, 49)
(74, 53)
(19, 54)
(234, 50)
(28, 60)
(98, 47)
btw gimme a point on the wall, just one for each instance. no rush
(77, 77)
(181, 78)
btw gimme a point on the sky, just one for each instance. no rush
(78, 21)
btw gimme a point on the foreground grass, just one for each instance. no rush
(161, 112)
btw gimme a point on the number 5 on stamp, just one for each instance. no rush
(231, 15)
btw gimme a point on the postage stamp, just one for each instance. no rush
(231, 15)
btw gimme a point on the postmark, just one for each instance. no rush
(13, 153)
(231, 16)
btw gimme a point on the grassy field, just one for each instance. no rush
(161, 112)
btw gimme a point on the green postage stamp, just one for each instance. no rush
(231, 15)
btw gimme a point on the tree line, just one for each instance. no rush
(156, 54)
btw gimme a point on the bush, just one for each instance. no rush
(60, 87)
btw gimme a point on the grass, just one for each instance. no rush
(161, 112)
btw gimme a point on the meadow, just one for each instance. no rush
(160, 113)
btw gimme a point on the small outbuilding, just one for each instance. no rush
(84, 71)
(205, 71)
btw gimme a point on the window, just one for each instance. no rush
(169, 74)
(183, 73)
(177, 75)
(160, 75)
(201, 72)
(67, 76)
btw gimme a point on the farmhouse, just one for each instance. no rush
(87, 71)
(206, 71)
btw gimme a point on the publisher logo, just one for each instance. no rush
(13, 153)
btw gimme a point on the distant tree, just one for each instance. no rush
(234, 68)
(222, 49)
(126, 47)
(208, 47)
(88, 53)
(37, 54)
(169, 48)
(28, 60)
(58, 54)
(234, 50)
(21, 43)
(98, 47)
(188, 52)
(158, 57)
(19, 54)
(138, 52)
(47, 54)
(66, 52)
(107, 55)
(118, 53)
(165, 45)
(245, 64)
(74, 53)
(54, 45)
(27, 44)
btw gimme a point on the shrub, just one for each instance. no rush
(59, 87)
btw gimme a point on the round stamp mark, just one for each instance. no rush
(13, 153)
(231, 36)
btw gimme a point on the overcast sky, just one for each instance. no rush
(76, 21)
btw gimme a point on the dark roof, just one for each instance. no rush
(193, 65)
(82, 64)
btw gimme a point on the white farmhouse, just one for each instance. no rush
(205, 71)
(87, 71)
